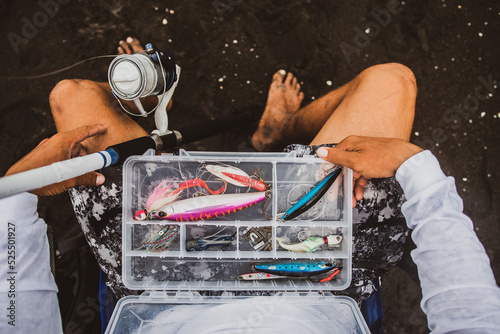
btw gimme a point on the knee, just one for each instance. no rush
(392, 75)
(69, 89)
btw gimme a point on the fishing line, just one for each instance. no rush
(298, 236)
(62, 69)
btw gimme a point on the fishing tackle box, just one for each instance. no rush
(175, 276)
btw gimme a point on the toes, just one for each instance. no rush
(120, 50)
(297, 87)
(279, 76)
(289, 80)
(135, 44)
(130, 46)
(301, 96)
(126, 47)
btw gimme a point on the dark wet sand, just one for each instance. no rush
(449, 49)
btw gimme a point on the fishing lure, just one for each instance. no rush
(294, 268)
(161, 240)
(312, 197)
(265, 276)
(259, 276)
(207, 207)
(311, 244)
(203, 243)
(237, 177)
(167, 192)
(331, 275)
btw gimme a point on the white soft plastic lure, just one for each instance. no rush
(311, 244)
(236, 176)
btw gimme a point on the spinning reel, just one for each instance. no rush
(148, 73)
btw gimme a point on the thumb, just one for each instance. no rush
(336, 156)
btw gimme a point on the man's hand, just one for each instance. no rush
(369, 157)
(62, 146)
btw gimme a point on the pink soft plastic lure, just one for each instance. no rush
(208, 207)
(167, 192)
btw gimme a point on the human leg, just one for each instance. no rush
(379, 102)
(81, 102)
(98, 209)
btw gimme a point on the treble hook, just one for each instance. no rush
(260, 178)
(268, 197)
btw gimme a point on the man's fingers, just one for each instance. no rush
(76, 150)
(338, 157)
(89, 179)
(359, 188)
(80, 134)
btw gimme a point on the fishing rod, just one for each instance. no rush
(115, 155)
(131, 77)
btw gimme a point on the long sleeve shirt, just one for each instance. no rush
(28, 292)
(459, 292)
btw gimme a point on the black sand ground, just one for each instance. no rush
(452, 47)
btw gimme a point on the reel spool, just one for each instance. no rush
(140, 75)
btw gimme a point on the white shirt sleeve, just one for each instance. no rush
(28, 292)
(459, 292)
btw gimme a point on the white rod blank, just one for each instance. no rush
(54, 173)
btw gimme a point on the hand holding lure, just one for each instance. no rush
(313, 196)
(167, 192)
(161, 240)
(237, 177)
(311, 244)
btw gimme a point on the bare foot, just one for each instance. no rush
(283, 101)
(130, 46)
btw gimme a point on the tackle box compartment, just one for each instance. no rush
(254, 229)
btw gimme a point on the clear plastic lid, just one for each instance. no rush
(280, 313)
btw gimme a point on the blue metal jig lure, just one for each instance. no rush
(312, 197)
(294, 268)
